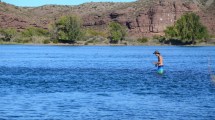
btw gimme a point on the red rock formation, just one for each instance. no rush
(154, 19)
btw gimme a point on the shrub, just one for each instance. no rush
(33, 31)
(117, 32)
(142, 40)
(69, 28)
(55, 41)
(23, 40)
(188, 28)
(93, 32)
(46, 41)
(8, 34)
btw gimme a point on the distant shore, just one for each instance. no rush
(76, 44)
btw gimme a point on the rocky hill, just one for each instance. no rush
(142, 18)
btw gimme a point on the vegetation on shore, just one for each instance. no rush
(117, 32)
(188, 30)
(68, 30)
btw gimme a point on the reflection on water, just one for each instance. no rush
(63, 82)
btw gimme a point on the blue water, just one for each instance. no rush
(108, 83)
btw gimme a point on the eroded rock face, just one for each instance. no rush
(208, 20)
(154, 19)
(7, 21)
(10, 21)
(157, 17)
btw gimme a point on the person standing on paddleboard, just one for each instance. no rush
(159, 64)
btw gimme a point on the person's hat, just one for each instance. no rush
(156, 52)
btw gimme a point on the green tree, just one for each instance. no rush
(8, 34)
(69, 28)
(53, 30)
(170, 32)
(117, 32)
(188, 28)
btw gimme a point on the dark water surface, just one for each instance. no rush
(108, 83)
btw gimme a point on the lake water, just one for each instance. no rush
(106, 83)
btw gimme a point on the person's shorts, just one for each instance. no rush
(160, 70)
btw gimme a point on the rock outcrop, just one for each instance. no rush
(7, 21)
(154, 19)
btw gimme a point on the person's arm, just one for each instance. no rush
(157, 63)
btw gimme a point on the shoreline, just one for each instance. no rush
(61, 44)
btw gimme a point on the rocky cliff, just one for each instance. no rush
(142, 18)
(154, 18)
